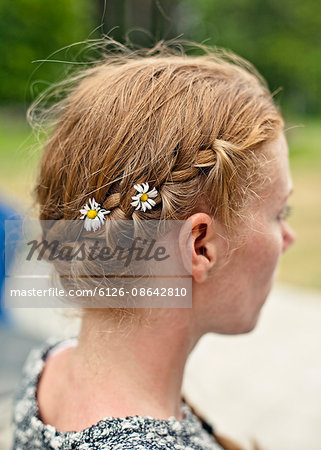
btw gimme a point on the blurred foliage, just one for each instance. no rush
(281, 37)
(32, 30)
(143, 22)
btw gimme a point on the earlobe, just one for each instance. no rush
(203, 254)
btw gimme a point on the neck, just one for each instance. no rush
(138, 369)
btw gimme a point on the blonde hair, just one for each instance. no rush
(192, 126)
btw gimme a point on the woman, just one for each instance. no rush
(160, 136)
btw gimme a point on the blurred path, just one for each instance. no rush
(266, 384)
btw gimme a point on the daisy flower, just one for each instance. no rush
(93, 214)
(144, 198)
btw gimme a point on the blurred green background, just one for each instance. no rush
(282, 38)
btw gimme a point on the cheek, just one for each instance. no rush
(238, 291)
(265, 251)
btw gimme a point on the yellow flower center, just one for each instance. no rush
(144, 197)
(92, 214)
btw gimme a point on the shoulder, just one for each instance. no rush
(25, 409)
(34, 365)
(140, 432)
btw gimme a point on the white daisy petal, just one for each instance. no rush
(151, 202)
(96, 223)
(143, 206)
(152, 193)
(135, 203)
(147, 205)
(138, 187)
(146, 187)
(87, 224)
(83, 211)
(136, 197)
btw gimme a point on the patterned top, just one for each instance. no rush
(114, 433)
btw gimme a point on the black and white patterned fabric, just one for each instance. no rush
(114, 433)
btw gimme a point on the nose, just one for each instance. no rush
(288, 236)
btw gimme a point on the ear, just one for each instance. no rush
(197, 246)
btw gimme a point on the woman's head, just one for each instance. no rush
(230, 291)
(195, 127)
